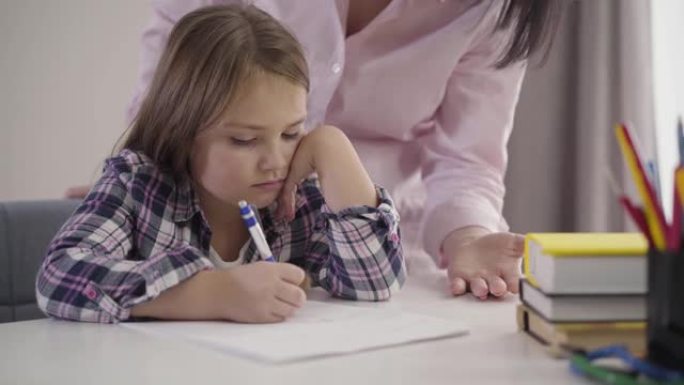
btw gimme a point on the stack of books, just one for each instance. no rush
(585, 290)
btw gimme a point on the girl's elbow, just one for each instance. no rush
(394, 276)
(55, 308)
(48, 306)
(390, 288)
(48, 303)
(51, 299)
(376, 291)
(47, 298)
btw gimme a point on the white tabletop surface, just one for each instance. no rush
(494, 352)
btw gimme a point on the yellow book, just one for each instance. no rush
(586, 263)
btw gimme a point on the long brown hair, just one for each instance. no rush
(210, 54)
(533, 24)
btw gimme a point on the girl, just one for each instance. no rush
(160, 234)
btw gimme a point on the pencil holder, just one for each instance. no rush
(666, 308)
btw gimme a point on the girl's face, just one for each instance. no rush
(247, 154)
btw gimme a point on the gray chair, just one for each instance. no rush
(26, 229)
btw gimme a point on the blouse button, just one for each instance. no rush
(336, 68)
(90, 293)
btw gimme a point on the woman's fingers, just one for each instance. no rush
(517, 245)
(488, 264)
(512, 280)
(458, 286)
(497, 286)
(479, 288)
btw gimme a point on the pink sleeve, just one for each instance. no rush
(465, 159)
(165, 14)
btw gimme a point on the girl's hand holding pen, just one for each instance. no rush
(260, 292)
(344, 181)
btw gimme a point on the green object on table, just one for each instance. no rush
(581, 364)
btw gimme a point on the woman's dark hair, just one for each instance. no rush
(532, 23)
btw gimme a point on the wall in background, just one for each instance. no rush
(67, 72)
(545, 133)
(668, 71)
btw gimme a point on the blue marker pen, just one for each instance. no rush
(256, 232)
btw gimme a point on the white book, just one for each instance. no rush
(317, 329)
(584, 308)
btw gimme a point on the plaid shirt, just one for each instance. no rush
(139, 233)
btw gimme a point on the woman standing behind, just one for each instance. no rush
(426, 90)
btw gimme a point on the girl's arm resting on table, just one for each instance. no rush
(255, 293)
(88, 273)
(188, 300)
(92, 274)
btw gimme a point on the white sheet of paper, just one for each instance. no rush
(317, 329)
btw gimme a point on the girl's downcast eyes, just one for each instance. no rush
(251, 141)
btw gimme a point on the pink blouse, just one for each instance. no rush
(415, 90)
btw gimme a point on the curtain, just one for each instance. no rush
(597, 73)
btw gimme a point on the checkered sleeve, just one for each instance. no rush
(355, 253)
(93, 271)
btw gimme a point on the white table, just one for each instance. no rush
(57, 352)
